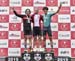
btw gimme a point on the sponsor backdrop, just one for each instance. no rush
(63, 26)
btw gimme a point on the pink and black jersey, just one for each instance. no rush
(26, 21)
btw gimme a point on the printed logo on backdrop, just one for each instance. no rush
(4, 2)
(27, 2)
(55, 43)
(48, 44)
(52, 2)
(14, 51)
(22, 43)
(14, 19)
(72, 2)
(39, 2)
(4, 43)
(3, 52)
(14, 35)
(72, 43)
(64, 35)
(64, 52)
(72, 26)
(3, 35)
(64, 10)
(64, 18)
(54, 26)
(15, 3)
(64, 2)
(64, 26)
(4, 18)
(64, 44)
(4, 26)
(14, 43)
(72, 10)
(4, 10)
(15, 26)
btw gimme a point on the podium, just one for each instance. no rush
(37, 56)
(12, 58)
(49, 56)
(26, 56)
(2, 58)
(62, 58)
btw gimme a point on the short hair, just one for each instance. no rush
(27, 9)
(45, 8)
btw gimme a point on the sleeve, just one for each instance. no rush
(51, 13)
(32, 20)
(41, 17)
(17, 14)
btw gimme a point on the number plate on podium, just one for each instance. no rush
(13, 59)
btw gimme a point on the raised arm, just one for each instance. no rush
(17, 13)
(58, 9)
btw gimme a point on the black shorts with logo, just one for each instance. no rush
(27, 29)
(36, 31)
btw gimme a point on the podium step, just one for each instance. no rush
(37, 56)
(12, 58)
